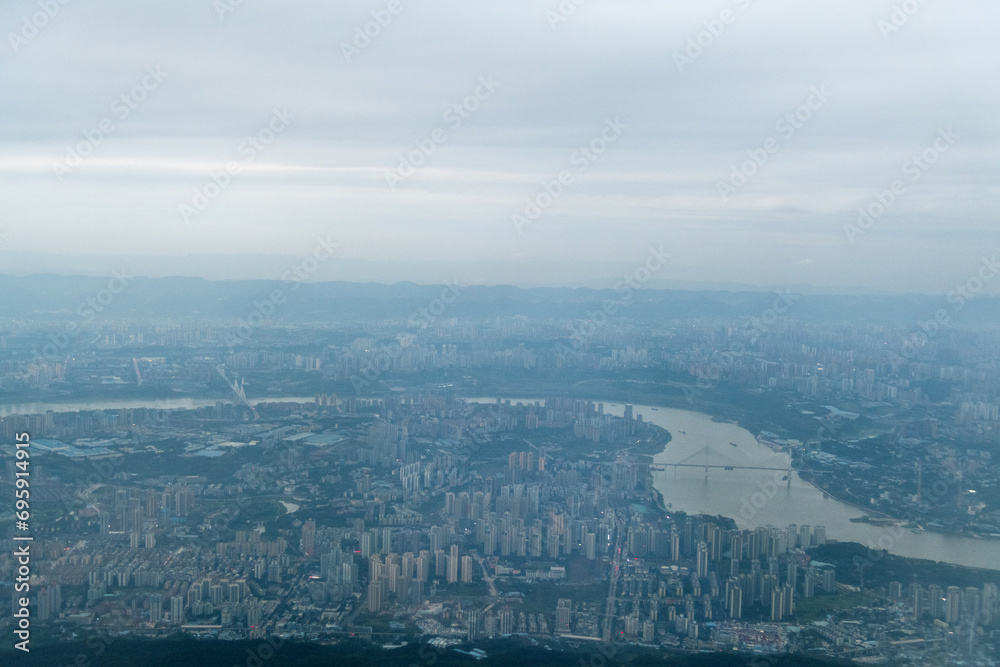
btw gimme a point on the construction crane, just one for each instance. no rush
(237, 386)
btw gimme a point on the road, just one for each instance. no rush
(616, 569)
(486, 577)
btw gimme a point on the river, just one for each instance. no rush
(7, 409)
(727, 493)
(732, 492)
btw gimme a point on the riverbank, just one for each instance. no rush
(819, 488)
(838, 498)
(898, 521)
(761, 498)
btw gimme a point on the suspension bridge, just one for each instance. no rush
(713, 458)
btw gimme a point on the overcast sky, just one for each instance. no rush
(883, 88)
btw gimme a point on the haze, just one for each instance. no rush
(879, 88)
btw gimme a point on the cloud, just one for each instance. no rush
(355, 118)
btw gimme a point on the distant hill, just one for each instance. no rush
(51, 297)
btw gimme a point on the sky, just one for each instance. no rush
(528, 143)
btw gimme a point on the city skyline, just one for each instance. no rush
(572, 332)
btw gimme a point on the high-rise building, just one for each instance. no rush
(953, 607)
(590, 545)
(809, 583)
(648, 631)
(184, 501)
(177, 610)
(368, 544)
(309, 538)
(135, 516)
(777, 605)
(49, 602)
(633, 625)
(155, 608)
(734, 602)
(453, 565)
(423, 566)
(467, 569)
(473, 622)
(254, 613)
(971, 603)
(714, 537)
(564, 609)
(386, 540)
(440, 563)
(702, 562)
(829, 580)
(349, 575)
(788, 593)
(989, 604)
(935, 601)
(374, 596)
(407, 566)
(919, 603)
(736, 546)
(506, 621)
(490, 625)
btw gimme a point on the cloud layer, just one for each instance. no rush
(395, 144)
